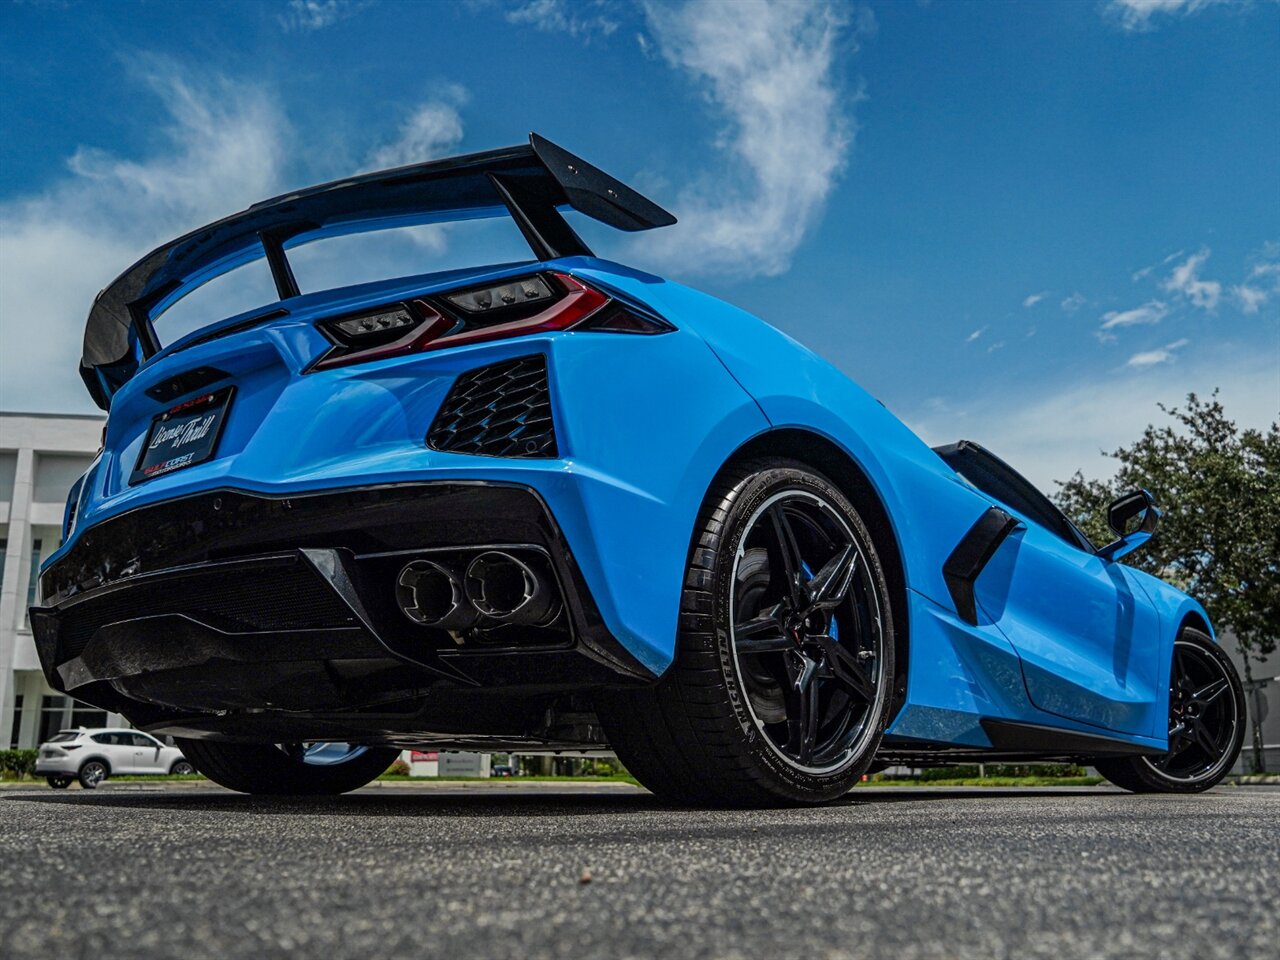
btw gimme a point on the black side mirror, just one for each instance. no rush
(1133, 519)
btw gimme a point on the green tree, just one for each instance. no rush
(1219, 537)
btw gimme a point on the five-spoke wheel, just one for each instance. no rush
(781, 685)
(92, 773)
(806, 632)
(1206, 724)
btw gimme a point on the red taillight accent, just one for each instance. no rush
(579, 302)
(415, 341)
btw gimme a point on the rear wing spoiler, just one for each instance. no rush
(532, 183)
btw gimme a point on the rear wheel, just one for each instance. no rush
(780, 688)
(1206, 724)
(58, 783)
(283, 769)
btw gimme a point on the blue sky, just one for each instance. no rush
(1019, 223)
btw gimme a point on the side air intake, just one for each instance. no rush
(502, 410)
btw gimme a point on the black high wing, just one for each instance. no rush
(532, 182)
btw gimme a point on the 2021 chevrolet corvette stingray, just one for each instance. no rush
(563, 504)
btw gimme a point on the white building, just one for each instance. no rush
(40, 458)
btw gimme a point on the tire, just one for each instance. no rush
(277, 770)
(739, 718)
(182, 768)
(59, 783)
(92, 773)
(1207, 724)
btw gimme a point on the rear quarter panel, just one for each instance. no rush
(929, 506)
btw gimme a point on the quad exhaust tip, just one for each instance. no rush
(431, 594)
(497, 587)
(508, 590)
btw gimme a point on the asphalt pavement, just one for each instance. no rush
(576, 872)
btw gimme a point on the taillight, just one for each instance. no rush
(513, 308)
(494, 299)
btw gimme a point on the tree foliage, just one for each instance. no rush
(1219, 537)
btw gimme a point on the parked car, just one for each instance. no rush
(564, 504)
(91, 756)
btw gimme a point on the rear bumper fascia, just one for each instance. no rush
(132, 580)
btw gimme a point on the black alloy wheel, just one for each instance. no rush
(781, 687)
(805, 632)
(1206, 724)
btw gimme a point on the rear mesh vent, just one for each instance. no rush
(503, 410)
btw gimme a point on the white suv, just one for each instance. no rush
(91, 756)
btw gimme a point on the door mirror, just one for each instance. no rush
(1132, 519)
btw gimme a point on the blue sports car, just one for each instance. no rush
(563, 504)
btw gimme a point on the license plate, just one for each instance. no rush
(183, 435)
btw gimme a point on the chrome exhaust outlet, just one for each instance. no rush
(508, 590)
(431, 595)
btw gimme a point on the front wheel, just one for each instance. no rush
(92, 773)
(1206, 724)
(58, 783)
(182, 768)
(284, 769)
(779, 693)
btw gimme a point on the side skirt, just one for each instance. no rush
(1014, 741)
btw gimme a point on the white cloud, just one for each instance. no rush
(1185, 280)
(224, 148)
(1050, 434)
(433, 130)
(975, 335)
(226, 145)
(1263, 281)
(1150, 358)
(1035, 298)
(1250, 299)
(1153, 311)
(770, 70)
(578, 19)
(1137, 15)
(1266, 262)
(1074, 302)
(307, 15)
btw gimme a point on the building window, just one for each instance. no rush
(34, 582)
(17, 721)
(61, 713)
(52, 710)
(4, 546)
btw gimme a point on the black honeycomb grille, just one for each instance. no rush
(502, 410)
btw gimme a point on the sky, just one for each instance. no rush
(1022, 224)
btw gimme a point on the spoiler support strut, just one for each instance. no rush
(281, 272)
